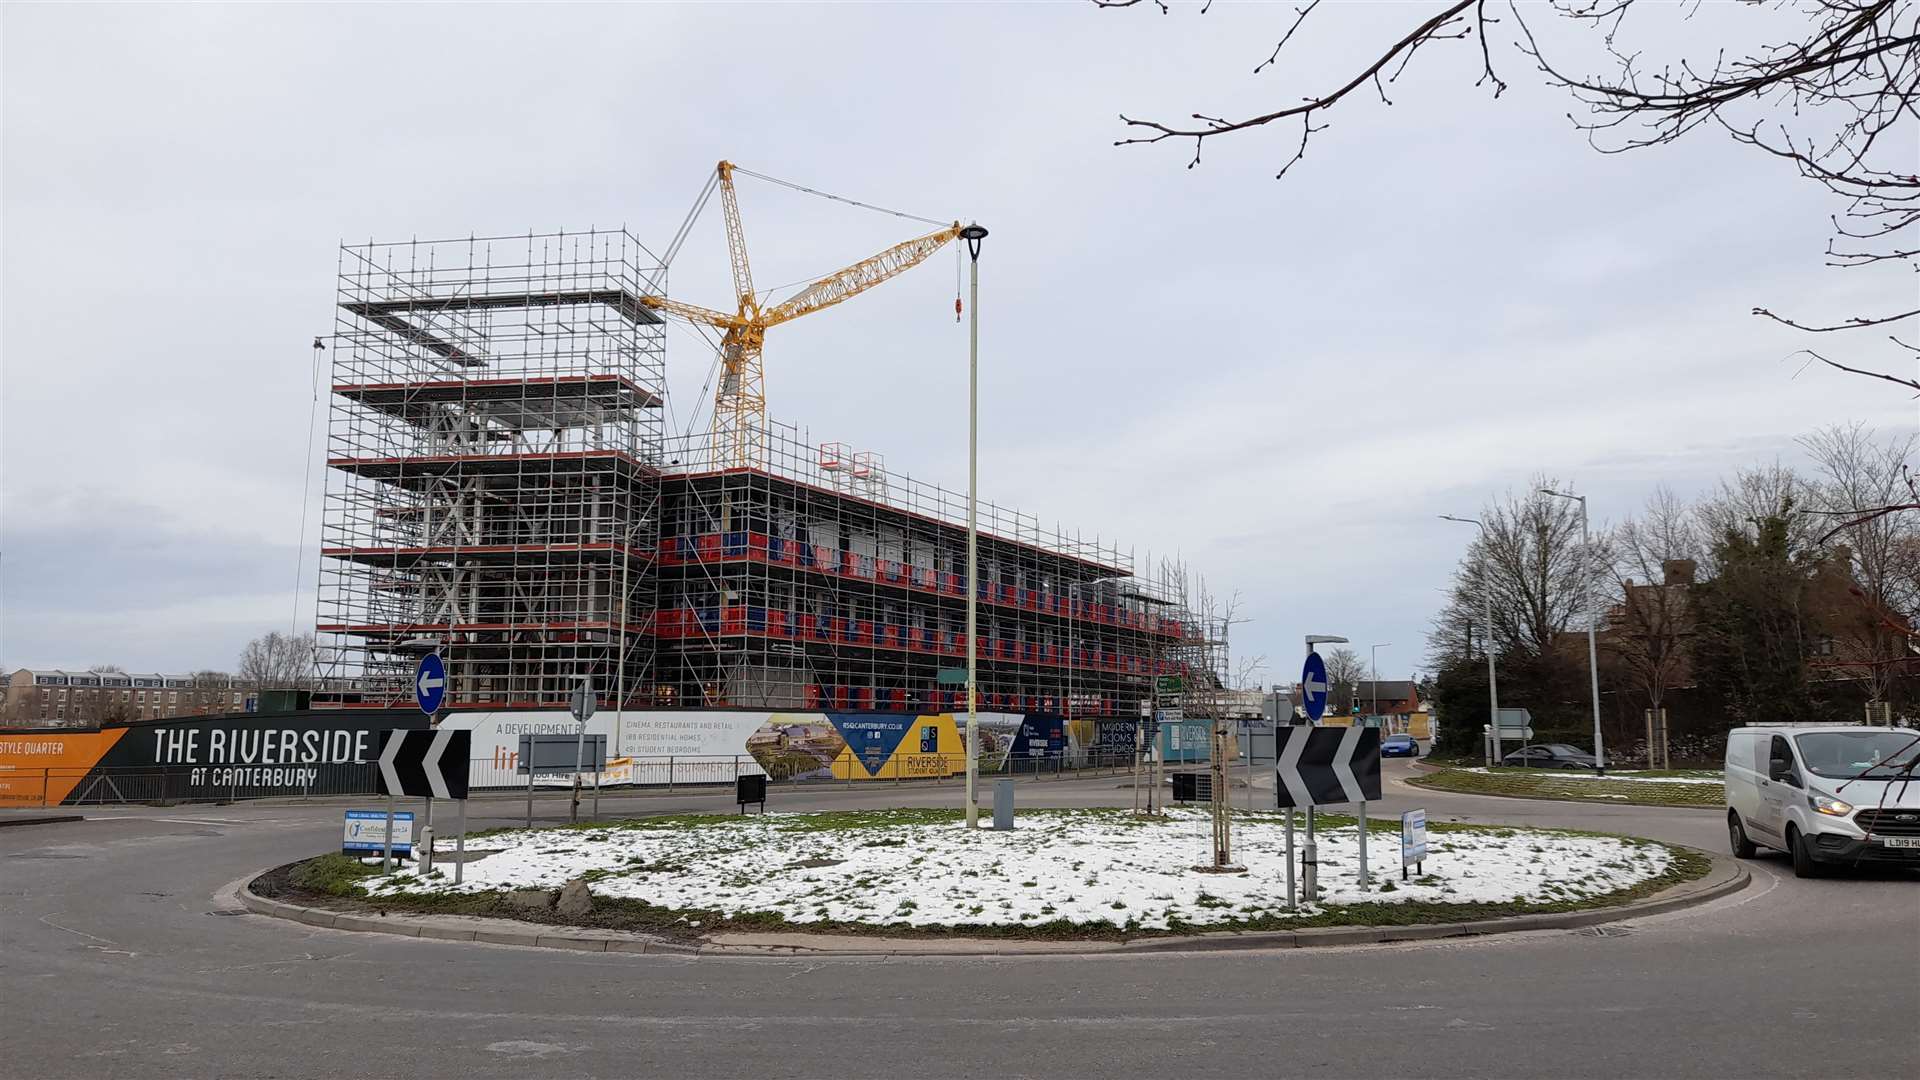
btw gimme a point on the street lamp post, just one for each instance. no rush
(1373, 654)
(973, 234)
(1493, 681)
(1593, 652)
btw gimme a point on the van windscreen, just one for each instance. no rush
(1843, 755)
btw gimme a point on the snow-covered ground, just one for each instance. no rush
(1084, 866)
(1549, 774)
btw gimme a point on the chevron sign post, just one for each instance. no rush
(430, 765)
(1319, 766)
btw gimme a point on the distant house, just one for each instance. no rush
(1388, 697)
(1852, 635)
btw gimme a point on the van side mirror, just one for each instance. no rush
(1779, 768)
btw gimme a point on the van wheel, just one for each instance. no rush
(1743, 848)
(1803, 864)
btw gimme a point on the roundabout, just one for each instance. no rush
(1063, 875)
(125, 957)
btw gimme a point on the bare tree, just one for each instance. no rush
(1247, 671)
(1857, 471)
(1529, 558)
(1655, 557)
(1751, 496)
(1825, 86)
(277, 661)
(1345, 668)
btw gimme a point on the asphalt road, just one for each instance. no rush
(117, 961)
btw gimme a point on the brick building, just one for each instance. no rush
(52, 697)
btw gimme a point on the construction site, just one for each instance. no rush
(504, 489)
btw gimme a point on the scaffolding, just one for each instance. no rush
(502, 489)
(823, 580)
(493, 444)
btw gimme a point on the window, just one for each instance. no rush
(1779, 749)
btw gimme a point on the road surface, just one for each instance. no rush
(117, 961)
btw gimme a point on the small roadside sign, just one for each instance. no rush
(1413, 840)
(1313, 687)
(366, 831)
(584, 701)
(1170, 684)
(430, 683)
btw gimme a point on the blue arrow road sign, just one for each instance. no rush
(430, 683)
(1313, 686)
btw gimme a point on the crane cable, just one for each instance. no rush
(699, 204)
(866, 206)
(837, 198)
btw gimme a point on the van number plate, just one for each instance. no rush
(1901, 841)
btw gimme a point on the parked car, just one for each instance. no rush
(1842, 794)
(1550, 756)
(1399, 746)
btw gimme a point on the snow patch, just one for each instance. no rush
(1080, 866)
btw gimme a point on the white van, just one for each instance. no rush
(1826, 795)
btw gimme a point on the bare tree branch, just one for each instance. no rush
(1851, 324)
(1217, 126)
(1897, 380)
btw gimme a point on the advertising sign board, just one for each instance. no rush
(366, 831)
(1413, 839)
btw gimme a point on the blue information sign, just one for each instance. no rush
(366, 831)
(430, 683)
(1313, 687)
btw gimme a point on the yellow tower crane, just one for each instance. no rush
(740, 399)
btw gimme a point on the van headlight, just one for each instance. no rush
(1827, 804)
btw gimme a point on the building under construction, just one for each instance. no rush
(503, 488)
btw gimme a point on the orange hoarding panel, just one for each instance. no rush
(43, 768)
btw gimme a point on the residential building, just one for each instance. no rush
(54, 697)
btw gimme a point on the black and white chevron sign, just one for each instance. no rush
(430, 763)
(1322, 765)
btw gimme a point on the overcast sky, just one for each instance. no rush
(1283, 382)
